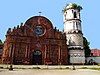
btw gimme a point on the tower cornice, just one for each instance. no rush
(72, 19)
(75, 32)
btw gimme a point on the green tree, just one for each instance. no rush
(0, 42)
(72, 6)
(86, 47)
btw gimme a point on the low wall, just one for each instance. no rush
(93, 59)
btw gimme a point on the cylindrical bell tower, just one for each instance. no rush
(74, 35)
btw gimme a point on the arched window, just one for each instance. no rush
(75, 16)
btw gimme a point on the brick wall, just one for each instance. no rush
(22, 41)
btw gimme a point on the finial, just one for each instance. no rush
(21, 24)
(40, 13)
(14, 27)
(17, 26)
(55, 28)
(9, 30)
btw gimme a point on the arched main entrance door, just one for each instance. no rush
(37, 57)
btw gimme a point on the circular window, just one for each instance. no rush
(39, 30)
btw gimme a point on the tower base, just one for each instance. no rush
(76, 57)
(77, 60)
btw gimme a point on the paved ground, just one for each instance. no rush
(45, 66)
(52, 70)
(49, 72)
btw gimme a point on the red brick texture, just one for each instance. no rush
(24, 41)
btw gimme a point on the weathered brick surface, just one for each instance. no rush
(21, 42)
(1, 48)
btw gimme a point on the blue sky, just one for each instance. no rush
(13, 12)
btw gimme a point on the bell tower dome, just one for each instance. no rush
(74, 35)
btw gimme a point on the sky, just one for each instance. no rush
(14, 12)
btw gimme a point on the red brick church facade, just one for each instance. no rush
(35, 42)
